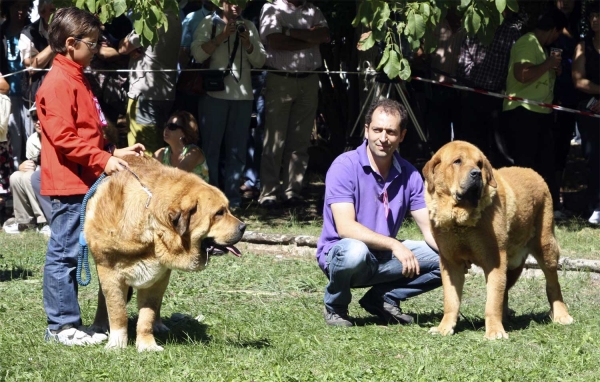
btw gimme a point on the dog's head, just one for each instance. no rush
(198, 218)
(458, 179)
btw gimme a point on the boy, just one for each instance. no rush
(73, 158)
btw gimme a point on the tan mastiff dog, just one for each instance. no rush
(494, 219)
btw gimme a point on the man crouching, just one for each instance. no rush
(367, 194)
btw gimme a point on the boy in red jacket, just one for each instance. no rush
(73, 158)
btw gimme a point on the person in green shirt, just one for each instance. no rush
(532, 71)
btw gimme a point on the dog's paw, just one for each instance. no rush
(442, 330)
(117, 339)
(148, 346)
(496, 334)
(564, 319)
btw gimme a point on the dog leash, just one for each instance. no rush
(82, 257)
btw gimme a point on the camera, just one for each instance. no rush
(240, 26)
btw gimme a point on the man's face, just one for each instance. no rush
(554, 34)
(46, 11)
(384, 134)
(232, 11)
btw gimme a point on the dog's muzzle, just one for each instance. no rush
(472, 188)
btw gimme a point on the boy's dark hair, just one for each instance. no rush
(70, 22)
(389, 106)
(552, 19)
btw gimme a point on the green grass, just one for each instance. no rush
(260, 319)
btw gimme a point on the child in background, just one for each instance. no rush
(73, 158)
(181, 132)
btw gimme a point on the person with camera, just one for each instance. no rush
(233, 46)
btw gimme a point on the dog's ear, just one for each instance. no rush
(488, 173)
(429, 172)
(181, 220)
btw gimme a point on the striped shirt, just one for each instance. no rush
(281, 13)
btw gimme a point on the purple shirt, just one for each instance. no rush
(351, 179)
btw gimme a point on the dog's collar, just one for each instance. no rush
(146, 189)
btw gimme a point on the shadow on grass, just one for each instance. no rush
(184, 329)
(478, 323)
(16, 273)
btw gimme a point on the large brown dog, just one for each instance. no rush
(137, 239)
(494, 219)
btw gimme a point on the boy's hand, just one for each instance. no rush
(115, 165)
(137, 150)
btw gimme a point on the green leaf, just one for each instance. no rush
(512, 5)
(138, 25)
(368, 42)
(119, 7)
(103, 15)
(91, 5)
(392, 67)
(384, 58)
(465, 3)
(80, 3)
(425, 10)
(148, 32)
(419, 26)
(410, 24)
(364, 15)
(476, 20)
(405, 71)
(500, 5)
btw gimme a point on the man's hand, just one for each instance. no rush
(246, 43)
(410, 265)
(137, 150)
(115, 165)
(553, 62)
(27, 165)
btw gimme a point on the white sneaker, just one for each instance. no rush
(11, 228)
(71, 336)
(45, 230)
(595, 218)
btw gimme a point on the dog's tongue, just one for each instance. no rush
(234, 250)
(222, 248)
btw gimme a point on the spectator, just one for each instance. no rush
(151, 94)
(227, 112)
(292, 31)
(586, 77)
(443, 106)
(181, 133)
(19, 124)
(368, 192)
(485, 67)
(565, 93)
(184, 100)
(35, 52)
(28, 213)
(531, 75)
(250, 189)
(6, 163)
(73, 158)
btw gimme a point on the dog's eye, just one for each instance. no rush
(221, 212)
(480, 164)
(458, 161)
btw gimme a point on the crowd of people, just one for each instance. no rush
(552, 60)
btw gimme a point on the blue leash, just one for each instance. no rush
(82, 258)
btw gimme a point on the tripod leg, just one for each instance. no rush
(367, 103)
(411, 114)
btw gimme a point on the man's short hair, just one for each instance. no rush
(552, 19)
(71, 22)
(592, 7)
(389, 106)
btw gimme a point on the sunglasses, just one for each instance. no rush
(34, 118)
(91, 45)
(173, 126)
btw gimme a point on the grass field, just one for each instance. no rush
(258, 318)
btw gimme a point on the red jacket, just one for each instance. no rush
(73, 156)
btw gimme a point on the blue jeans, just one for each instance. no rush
(225, 127)
(60, 285)
(351, 264)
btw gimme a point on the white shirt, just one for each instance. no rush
(26, 46)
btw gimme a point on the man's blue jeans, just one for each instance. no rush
(60, 284)
(351, 264)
